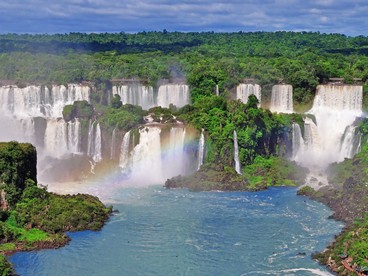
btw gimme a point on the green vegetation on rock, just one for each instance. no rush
(79, 109)
(32, 218)
(347, 196)
(274, 171)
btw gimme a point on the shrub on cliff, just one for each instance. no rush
(79, 109)
(17, 170)
(31, 217)
(5, 267)
(58, 213)
(123, 118)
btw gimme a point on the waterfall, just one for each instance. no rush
(217, 90)
(335, 108)
(97, 156)
(21, 106)
(146, 157)
(236, 153)
(297, 142)
(113, 144)
(282, 98)
(338, 97)
(124, 153)
(176, 94)
(40, 101)
(135, 94)
(350, 143)
(28, 129)
(175, 158)
(311, 135)
(334, 136)
(159, 154)
(74, 136)
(243, 91)
(62, 138)
(201, 150)
(94, 141)
(91, 139)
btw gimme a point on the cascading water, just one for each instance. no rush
(91, 140)
(297, 142)
(74, 136)
(311, 140)
(113, 144)
(243, 91)
(200, 150)
(94, 141)
(175, 159)
(350, 143)
(40, 101)
(125, 154)
(236, 153)
(282, 98)
(97, 157)
(28, 129)
(335, 108)
(32, 114)
(157, 156)
(135, 94)
(333, 137)
(62, 138)
(146, 157)
(176, 94)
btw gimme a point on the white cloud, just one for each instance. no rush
(219, 15)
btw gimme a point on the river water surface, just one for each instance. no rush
(177, 232)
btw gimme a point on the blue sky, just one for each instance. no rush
(63, 16)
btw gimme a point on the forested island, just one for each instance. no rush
(31, 217)
(212, 66)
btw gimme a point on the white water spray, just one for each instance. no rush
(236, 153)
(113, 144)
(135, 94)
(243, 91)
(40, 101)
(333, 137)
(282, 98)
(62, 138)
(200, 150)
(146, 157)
(176, 94)
(297, 142)
(94, 141)
(125, 153)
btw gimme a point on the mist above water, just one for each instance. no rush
(332, 136)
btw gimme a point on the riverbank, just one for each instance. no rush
(347, 196)
(347, 254)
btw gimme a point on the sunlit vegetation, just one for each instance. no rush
(205, 59)
(31, 217)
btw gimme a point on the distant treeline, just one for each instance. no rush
(206, 59)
